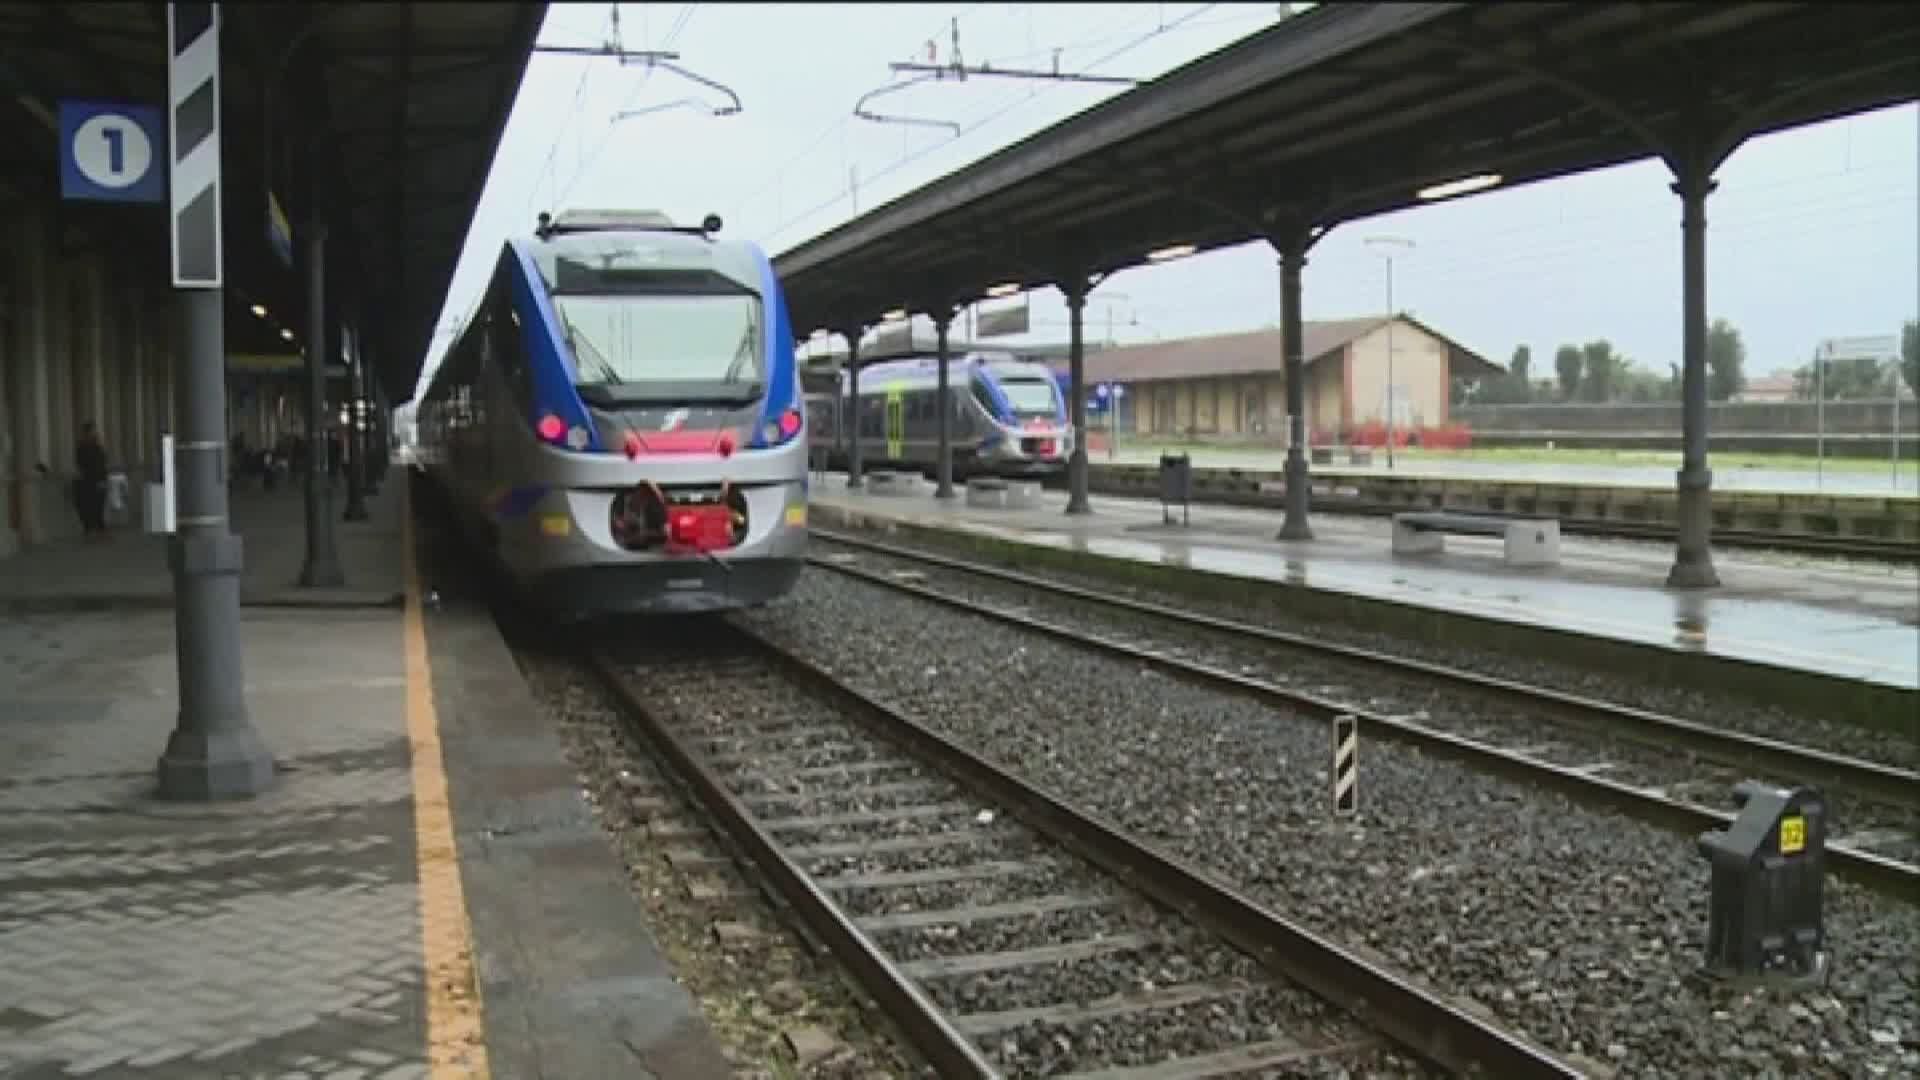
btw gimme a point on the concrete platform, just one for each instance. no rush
(1859, 622)
(130, 570)
(423, 892)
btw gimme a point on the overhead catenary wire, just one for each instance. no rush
(838, 125)
(982, 122)
(606, 135)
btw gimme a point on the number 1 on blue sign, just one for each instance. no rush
(116, 149)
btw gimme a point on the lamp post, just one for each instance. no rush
(1386, 246)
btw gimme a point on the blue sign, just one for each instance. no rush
(112, 153)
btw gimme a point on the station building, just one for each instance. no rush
(1234, 384)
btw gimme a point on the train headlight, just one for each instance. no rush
(785, 427)
(577, 437)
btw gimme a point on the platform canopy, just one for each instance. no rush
(1351, 110)
(386, 114)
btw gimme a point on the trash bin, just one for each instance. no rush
(1176, 486)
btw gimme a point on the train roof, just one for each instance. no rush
(928, 365)
(642, 246)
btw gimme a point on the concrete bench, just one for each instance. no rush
(993, 491)
(1530, 541)
(894, 483)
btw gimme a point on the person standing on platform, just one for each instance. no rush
(90, 482)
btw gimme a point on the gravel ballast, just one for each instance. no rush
(1826, 732)
(1576, 927)
(1890, 831)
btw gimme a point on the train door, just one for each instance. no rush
(896, 423)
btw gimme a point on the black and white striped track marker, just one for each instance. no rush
(1346, 765)
(193, 130)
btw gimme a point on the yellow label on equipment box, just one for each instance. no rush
(556, 524)
(1793, 834)
(797, 515)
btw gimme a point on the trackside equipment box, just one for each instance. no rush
(1769, 878)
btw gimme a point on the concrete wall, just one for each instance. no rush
(1419, 370)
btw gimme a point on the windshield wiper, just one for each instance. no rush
(742, 354)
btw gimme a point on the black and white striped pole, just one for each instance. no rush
(1346, 765)
(214, 752)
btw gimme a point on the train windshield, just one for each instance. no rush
(674, 345)
(1030, 397)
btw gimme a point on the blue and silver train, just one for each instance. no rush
(620, 424)
(1009, 416)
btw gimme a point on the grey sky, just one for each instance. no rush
(1812, 233)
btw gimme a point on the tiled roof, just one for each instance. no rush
(1245, 352)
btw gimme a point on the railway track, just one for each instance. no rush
(1001, 930)
(1537, 735)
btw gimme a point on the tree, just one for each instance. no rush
(1520, 375)
(1910, 354)
(1600, 363)
(1567, 362)
(1846, 380)
(1726, 361)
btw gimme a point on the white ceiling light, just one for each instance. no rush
(895, 315)
(1007, 289)
(1177, 251)
(288, 334)
(260, 311)
(1463, 186)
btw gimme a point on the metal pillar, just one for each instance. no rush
(1693, 558)
(354, 444)
(942, 321)
(214, 752)
(1293, 259)
(322, 568)
(1076, 290)
(854, 483)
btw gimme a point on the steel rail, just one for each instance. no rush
(1418, 1020)
(1898, 879)
(925, 1025)
(1874, 780)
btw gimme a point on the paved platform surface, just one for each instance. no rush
(425, 840)
(131, 568)
(1858, 620)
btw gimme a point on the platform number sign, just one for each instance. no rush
(193, 118)
(112, 152)
(1346, 765)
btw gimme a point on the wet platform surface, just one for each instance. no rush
(425, 838)
(1860, 620)
(1855, 477)
(130, 569)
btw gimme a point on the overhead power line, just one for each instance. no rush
(956, 68)
(960, 72)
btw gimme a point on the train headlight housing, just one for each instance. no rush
(779, 430)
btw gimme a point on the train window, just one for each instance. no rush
(982, 395)
(1030, 397)
(509, 350)
(626, 338)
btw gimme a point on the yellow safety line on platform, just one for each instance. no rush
(456, 1043)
